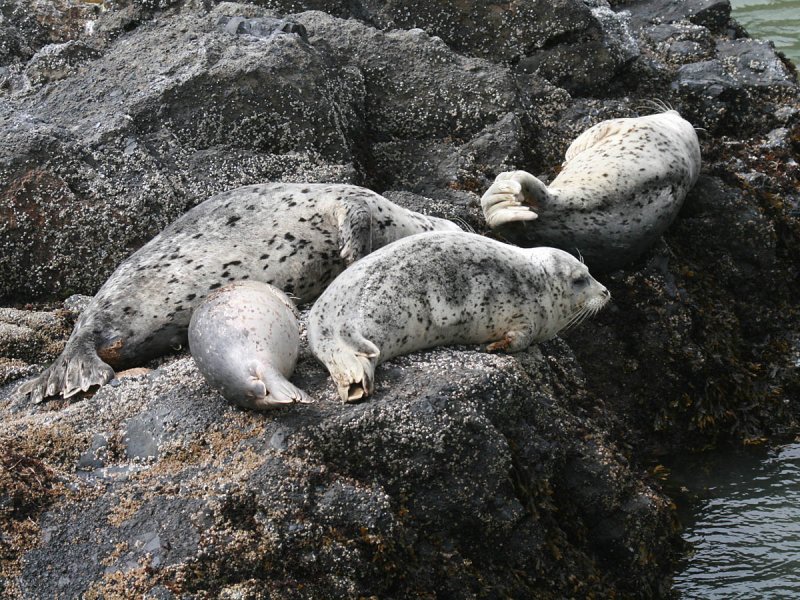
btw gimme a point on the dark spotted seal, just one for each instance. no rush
(620, 187)
(245, 339)
(297, 237)
(445, 288)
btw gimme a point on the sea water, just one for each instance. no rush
(776, 20)
(743, 521)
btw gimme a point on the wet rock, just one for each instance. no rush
(680, 43)
(126, 148)
(263, 27)
(746, 77)
(713, 14)
(446, 478)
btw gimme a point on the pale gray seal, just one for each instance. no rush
(445, 288)
(297, 237)
(621, 185)
(244, 338)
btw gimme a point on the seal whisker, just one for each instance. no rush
(463, 224)
(576, 317)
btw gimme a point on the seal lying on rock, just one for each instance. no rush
(445, 288)
(620, 187)
(245, 339)
(297, 237)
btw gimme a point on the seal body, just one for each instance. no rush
(297, 237)
(621, 185)
(245, 339)
(445, 288)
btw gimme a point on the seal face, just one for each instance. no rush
(445, 288)
(245, 339)
(621, 185)
(297, 237)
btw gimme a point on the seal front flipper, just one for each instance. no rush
(77, 369)
(513, 341)
(354, 220)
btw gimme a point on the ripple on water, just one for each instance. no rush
(776, 20)
(746, 529)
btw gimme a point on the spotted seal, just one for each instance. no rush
(445, 288)
(621, 185)
(244, 338)
(297, 237)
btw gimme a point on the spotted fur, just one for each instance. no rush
(620, 187)
(444, 288)
(297, 237)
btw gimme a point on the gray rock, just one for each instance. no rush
(737, 90)
(57, 61)
(451, 465)
(680, 43)
(713, 14)
(135, 142)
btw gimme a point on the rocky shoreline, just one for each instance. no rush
(468, 474)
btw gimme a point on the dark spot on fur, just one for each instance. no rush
(232, 220)
(214, 286)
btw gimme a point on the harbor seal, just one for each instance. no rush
(621, 185)
(245, 338)
(445, 288)
(297, 237)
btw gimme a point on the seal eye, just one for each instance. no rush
(581, 281)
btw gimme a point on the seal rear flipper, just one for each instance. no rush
(77, 369)
(514, 196)
(352, 363)
(354, 376)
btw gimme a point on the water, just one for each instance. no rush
(776, 20)
(744, 526)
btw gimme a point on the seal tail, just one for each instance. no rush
(77, 369)
(352, 363)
